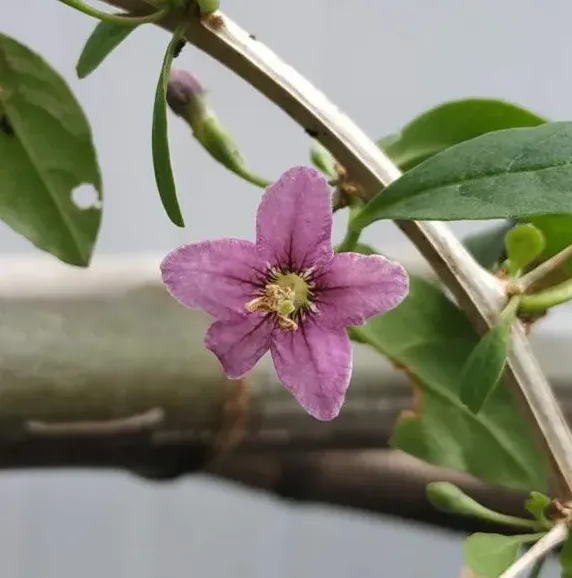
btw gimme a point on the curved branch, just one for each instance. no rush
(480, 294)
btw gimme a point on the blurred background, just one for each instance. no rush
(383, 63)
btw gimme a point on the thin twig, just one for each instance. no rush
(117, 18)
(544, 269)
(479, 293)
(546, 544)
(110, 427)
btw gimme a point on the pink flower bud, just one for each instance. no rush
(184, 91)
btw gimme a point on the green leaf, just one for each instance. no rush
(519, 172)
(489, 555)
(46, 152)
(485, 365)
(557, 231)
(523, 243)
(322, 159)
(431, 338)
(449, 498)
(566, 558)
(160, 140)
(106, 36)
(536, 504)
(452, 123)
(487, 247)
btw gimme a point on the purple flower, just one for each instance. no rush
(287, 293)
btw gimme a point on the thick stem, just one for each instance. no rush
(377, 481)
(101, 368)
(84, 374)
(119, 364)
(480, 294)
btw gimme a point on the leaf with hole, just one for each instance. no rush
(430, 338)
(489, 555)
(46, 152)
(452, 123)
(484, 367)
(160, 140)
(513, 173)
(104, 39)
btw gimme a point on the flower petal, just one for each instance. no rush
(294, 221)
(354, 287)
(315, 364)
(217, 276)
(240, 343)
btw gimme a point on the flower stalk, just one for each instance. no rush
(188, 99)
(352, 235)
(349, 241)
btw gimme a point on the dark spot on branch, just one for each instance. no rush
(311, 132)
(252, 37)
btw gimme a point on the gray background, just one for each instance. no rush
(93, 525)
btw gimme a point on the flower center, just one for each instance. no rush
(286, 295)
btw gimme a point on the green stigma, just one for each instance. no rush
(285, 294)
(299, 286)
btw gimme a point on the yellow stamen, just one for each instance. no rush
(285, 295)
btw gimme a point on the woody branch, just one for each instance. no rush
(99, 369)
